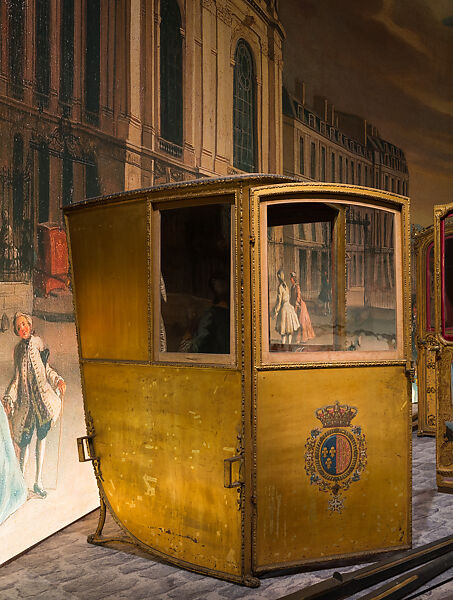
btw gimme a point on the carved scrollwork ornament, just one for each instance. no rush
(209, 5)
(429, 342)
(224, 14)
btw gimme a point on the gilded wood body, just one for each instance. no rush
(425, 339)
(444, 362)
(162, 431)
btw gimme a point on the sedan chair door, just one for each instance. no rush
(425, 333)
(443, 257)
(164, 400)
(331, 392)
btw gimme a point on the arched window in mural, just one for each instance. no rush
(92, 58)
(43, 182)
(17, 251)
(244, 109)
(18, 180)
(68, 177)
(67, 52)
(92, 184)
(171, 102)
(42, 58)
(16, 44)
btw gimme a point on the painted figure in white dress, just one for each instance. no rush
(287, 322)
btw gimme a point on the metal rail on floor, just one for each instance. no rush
(430, 589)
(435, 558)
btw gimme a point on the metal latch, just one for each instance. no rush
(86, 453)
(228, 472)
(85, 448)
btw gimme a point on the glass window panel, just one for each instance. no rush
(43, 182)
(371, 292)
(195, 279)
(68, 178)
(313, 161)
(301, 156)
(171, 73)
(299, 277)
(92, 56)
(244, 109)
(67, 51)
(16, 39)
(18, 180)
(430, 287)
(92, 183)
(447, 279)
(310, 310)
(42, 57)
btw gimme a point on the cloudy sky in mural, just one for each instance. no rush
(388, 61)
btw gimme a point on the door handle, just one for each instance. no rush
(228, 471)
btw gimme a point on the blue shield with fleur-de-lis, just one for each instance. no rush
(335, 454)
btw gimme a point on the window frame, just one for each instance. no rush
(171, 110)
(92, 60)
(238, 163)
(66, 76)
(16, 17)
(429, 324)
(42, 52)
(301, 155)
(267, 357)
(446, 333)
(192, 358)
(313, 160)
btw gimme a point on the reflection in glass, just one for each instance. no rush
(430, 287)
(299, 276)
(447, 279)
(309, 310)
(195, 265)
(370, 281)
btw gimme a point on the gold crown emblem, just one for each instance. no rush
(336, 415)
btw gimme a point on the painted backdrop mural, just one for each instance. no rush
(99, 97)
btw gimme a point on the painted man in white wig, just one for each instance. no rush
(33, 398)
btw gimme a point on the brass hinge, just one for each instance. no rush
(410, 370)
(86, 453)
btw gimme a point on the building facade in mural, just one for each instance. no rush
(323, 144)
(98, 97)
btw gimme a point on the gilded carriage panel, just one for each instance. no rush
(110, 250)
(332, 374)
(443, 294)
(347, 462)
(427, 343)
(250, 407)
(161, 441)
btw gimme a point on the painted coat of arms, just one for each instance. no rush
(335, 454)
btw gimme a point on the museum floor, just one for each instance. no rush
(65, 566)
